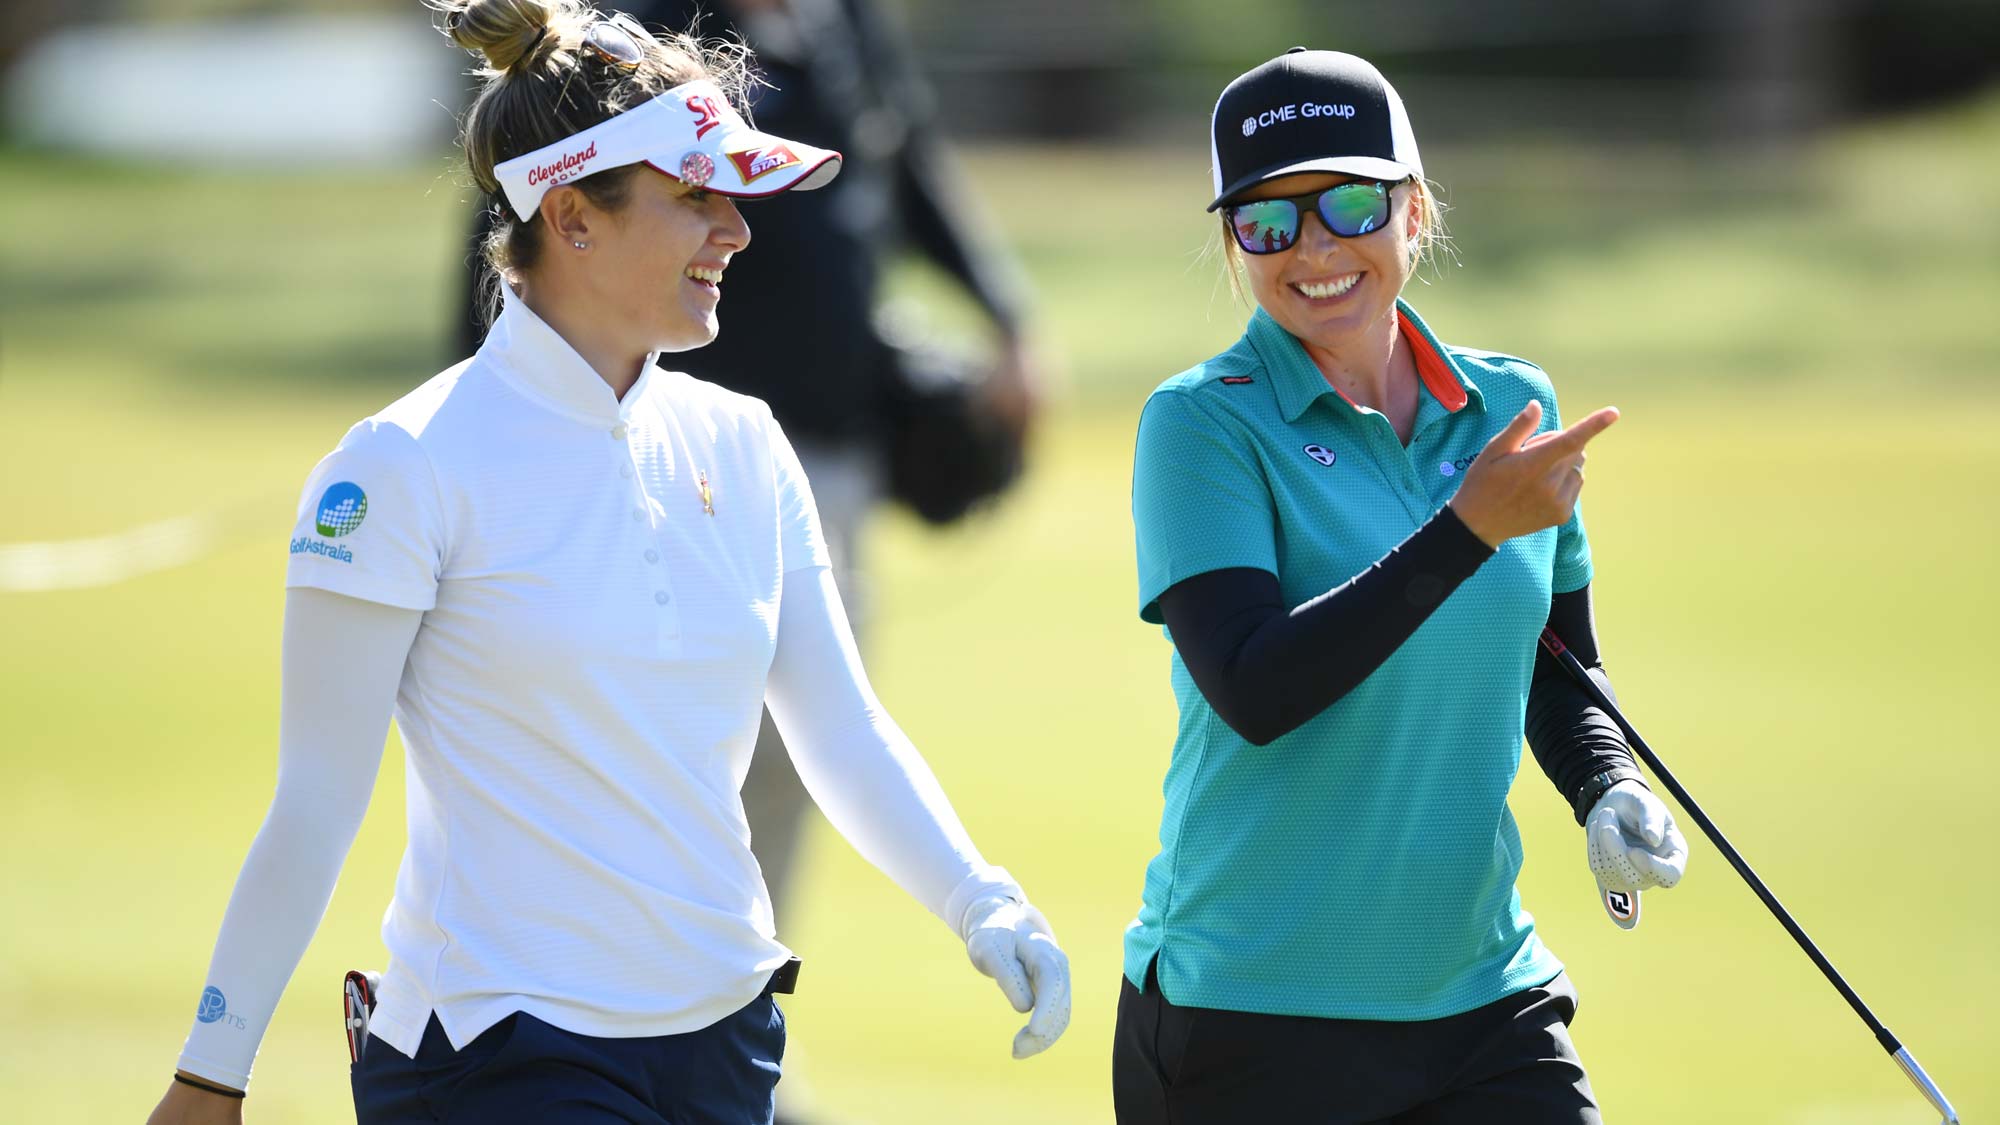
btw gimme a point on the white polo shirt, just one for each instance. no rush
(600, 581)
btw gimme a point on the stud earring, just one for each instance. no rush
(581, 245)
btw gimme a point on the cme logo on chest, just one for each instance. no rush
(1321, 454)
(1453, 468)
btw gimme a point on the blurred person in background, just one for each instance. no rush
(1354, 535)
(873, 412)
(576, 579)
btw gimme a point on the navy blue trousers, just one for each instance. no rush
(524, 1070)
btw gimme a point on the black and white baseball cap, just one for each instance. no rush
(1310, 111)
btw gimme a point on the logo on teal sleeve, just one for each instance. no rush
(342, 509)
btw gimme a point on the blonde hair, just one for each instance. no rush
(1431, 239)
(541, 85)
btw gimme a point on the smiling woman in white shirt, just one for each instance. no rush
(575, 579)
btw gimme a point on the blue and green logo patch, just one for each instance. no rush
(341, 510)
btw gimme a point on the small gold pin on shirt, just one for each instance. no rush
(707, 495)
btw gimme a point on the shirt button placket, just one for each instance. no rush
(667, 627)
(1415, 499)
(618, 434)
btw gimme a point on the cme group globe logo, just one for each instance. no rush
(212, 1005)
(341, 509)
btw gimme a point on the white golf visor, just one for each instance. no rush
(690, 133)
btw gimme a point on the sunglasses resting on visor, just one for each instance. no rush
(1349, 210)
(618, 40)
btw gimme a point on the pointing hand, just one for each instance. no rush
(1522, 481)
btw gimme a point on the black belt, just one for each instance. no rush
(786, 980)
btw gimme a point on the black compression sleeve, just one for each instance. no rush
(1573, 739)
(1266, 671)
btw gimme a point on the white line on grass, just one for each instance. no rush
(74, 564)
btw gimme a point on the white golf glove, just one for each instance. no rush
(1632, 840)
(1011, 942)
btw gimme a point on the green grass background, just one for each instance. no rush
(1794, 525)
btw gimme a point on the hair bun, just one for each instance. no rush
(507, 32)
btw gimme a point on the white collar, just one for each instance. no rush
(539, 363)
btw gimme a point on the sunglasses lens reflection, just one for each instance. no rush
(614, 44)
(1354, 209)
(1265, 226)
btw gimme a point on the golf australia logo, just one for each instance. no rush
(214, 1008)
(1321, 454)
(342, 509)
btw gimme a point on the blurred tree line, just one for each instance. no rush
(1720, 70)
(1743, 71)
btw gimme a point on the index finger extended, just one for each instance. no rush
(1569, 442)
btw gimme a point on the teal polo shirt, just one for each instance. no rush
(1361, 866)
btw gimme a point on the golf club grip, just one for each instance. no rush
(1575, 668)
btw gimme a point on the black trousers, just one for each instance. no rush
(1510, 1061)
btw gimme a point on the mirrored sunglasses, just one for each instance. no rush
(1349, 210)
(619, 40)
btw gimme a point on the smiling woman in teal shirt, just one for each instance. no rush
(1354, 534)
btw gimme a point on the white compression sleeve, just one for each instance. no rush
(342, 661)
(858, 765)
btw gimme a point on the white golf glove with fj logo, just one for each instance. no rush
(1633, 843)
(1011, 942)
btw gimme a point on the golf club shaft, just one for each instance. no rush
(1598, 696)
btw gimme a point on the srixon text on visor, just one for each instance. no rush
(1301, 109)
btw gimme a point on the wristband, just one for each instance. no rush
(1599, 784)
(210, 1087)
